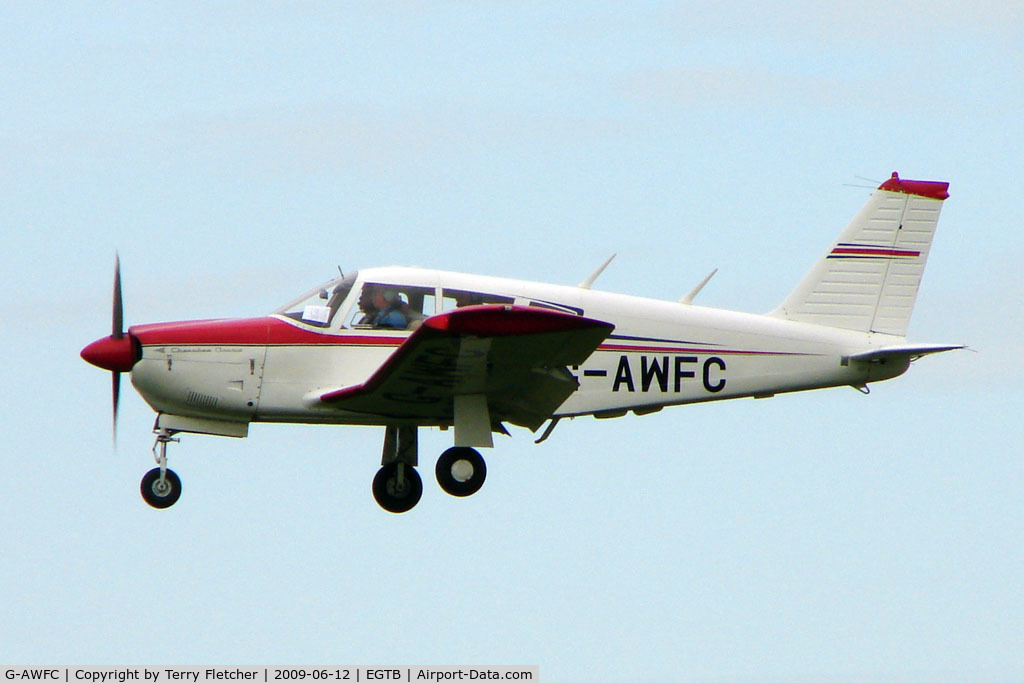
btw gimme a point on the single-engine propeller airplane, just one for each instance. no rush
(405, 348)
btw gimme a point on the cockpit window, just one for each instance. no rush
(319, 306)
(393, 307)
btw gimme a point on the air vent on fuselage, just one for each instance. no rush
(200, 400)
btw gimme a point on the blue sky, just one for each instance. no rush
(237, 153)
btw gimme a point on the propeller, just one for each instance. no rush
(118, 352)
(116, 332)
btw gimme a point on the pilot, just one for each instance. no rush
(383, 308)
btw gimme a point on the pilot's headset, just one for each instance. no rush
(392, 296)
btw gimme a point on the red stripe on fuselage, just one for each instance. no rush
(271, 331)
(249, 332)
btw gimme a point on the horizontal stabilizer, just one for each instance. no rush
(911, 351)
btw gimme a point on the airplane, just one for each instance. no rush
(406, 348)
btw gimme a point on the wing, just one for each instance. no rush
(514, 357)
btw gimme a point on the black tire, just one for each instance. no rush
(455, 458)
(387, 494)
(160, 495)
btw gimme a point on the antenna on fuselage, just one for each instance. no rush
(593, 276)
(340, 273)
(688, 299)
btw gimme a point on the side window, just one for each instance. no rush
(457, 298)
(561, 308)
(392, 307)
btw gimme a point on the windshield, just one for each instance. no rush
(318, 306)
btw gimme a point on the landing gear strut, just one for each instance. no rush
(397, 486)
(161, 487)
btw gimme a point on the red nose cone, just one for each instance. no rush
(114, 354)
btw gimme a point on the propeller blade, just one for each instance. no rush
(115, 387)
(117, 331)
(118, 322)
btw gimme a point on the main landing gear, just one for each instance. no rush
(397, 487)
(461, 471)
(161, 487)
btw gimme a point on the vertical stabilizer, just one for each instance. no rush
(868, 280)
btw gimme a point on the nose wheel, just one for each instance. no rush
(161, 487)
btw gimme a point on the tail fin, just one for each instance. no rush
(868, 280)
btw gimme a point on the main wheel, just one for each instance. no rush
(461, 471)
(160, 493)
(394, 496)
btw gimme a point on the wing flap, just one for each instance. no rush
(517, 357)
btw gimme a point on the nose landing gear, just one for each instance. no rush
(161, 487)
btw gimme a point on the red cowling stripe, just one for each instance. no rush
(247, 332)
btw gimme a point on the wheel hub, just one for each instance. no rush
(398, 490)
(462, 471)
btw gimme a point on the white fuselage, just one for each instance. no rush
(660, 353)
